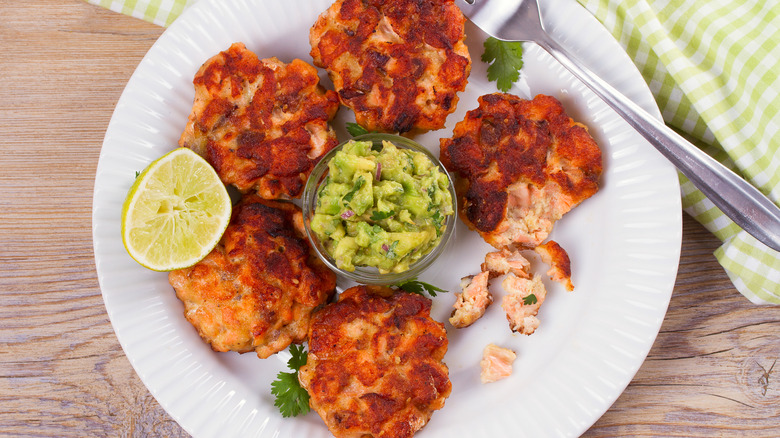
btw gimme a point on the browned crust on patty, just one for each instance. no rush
(375, 363)
(521, 164)
(262, 124)
(257, 289)
(398, 64)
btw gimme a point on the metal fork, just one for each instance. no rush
(520, 20)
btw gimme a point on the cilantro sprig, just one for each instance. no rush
(291, 399)
(505, 59)
(415, 286)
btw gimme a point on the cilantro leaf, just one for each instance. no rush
(438, 220)
(415, 286)
(505, 59)
(379, 215)
(529, 299)
(320, 192)
(290, 397)
(357, 186)
(390, 251)
(355, 130)
(299, 357)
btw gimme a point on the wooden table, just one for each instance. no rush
(62, 372)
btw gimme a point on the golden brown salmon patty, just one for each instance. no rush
(521, 164)
(262, 124)
(375, 363)
(398, 64)
(257, 289)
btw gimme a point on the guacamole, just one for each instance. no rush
(381, 206)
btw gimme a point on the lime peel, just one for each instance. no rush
(175, 213)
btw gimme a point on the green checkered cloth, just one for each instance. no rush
(160, 12)
(712, 66)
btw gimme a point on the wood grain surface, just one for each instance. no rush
(62, 372)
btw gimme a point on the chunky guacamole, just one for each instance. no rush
(381, 206)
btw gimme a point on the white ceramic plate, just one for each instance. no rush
(624, 245)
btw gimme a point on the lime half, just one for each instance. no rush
(175, 212)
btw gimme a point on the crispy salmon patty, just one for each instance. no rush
(257, 289)
(262, 124)
(520, 165)
(375, 365)
(398, 64)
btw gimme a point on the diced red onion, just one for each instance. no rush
(385, 247)
(347, 214)
(378, 171)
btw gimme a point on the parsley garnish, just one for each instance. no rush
(379, 215)
(414, 286)
(355, 130)
(529, 299)
(291, 399)
(505, 59)
(137, 173)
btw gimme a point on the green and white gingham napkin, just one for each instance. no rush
(160, 12)
(713, 68)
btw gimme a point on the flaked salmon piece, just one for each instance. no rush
(506, 261)
(471, 304)
(556, 257)
(496, 363)
(522, 301)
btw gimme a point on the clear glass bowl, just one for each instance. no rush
(368, 274)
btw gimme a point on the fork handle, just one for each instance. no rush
(735, 197)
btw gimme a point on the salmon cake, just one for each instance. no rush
(261, 123)
(374, 366)
(257, 289)
(520, 165)
(398, 64)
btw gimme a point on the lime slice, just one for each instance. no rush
(175, 212)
